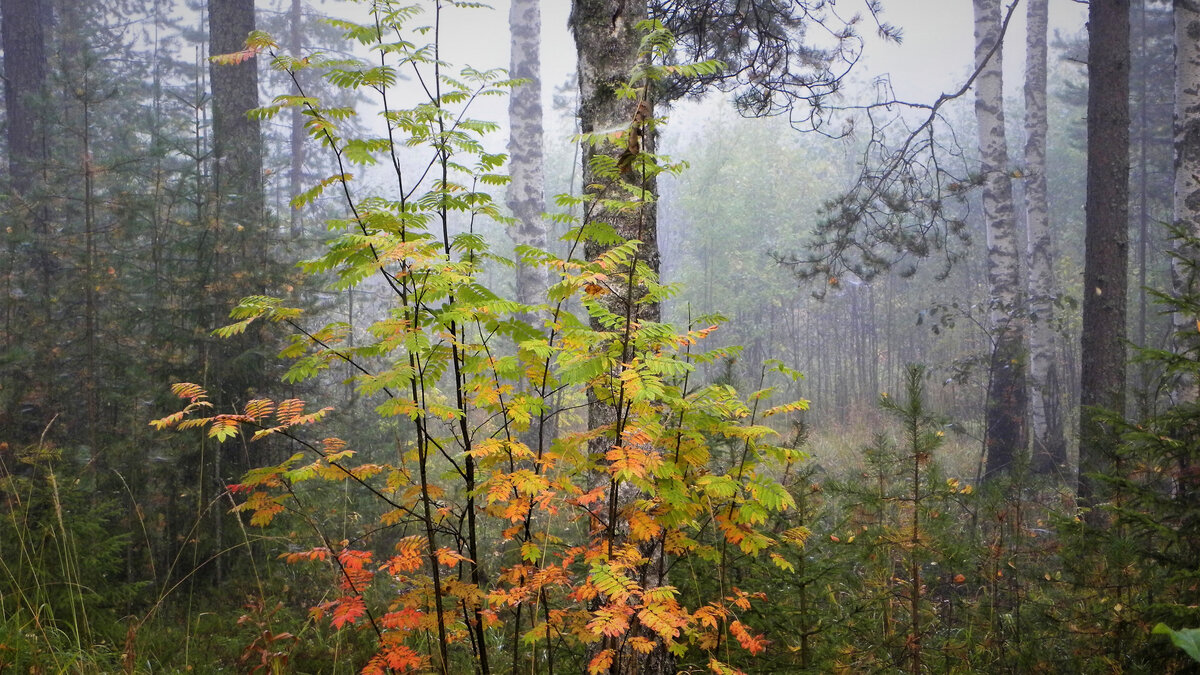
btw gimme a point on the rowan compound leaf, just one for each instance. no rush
(755, 644)
(259, 408)
(348, 610)
(223, 429)
(612, 621)
(641, 645)
(188, 390)
(449, 558)
(718, 487)
(402, 659)
(234, 58)
(612, 584)
(601, 662)
(794, 406)
(530, 552)
(259, 40)
(308, 196)
(782, 562)
(537, 634)
(643, 526)
(664, 618)
(408, 558)
(168, 421)
(287, 410)
(797, 535)
(718, 668)
(236, 328)
(405, 619)
(771, 495)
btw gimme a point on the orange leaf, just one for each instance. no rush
(348, 610)
(234, 58)
(754, 644)
(601, 662)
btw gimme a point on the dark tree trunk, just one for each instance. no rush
(29, 265)
(241, 237)
(240, 228)
(607, 42)
(24, 87)
(237, 143)
(1106, 242)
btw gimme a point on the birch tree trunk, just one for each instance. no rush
(1006, 404)
(1106, 241)
(1049, 444)
(1187, 167)
(526, 196)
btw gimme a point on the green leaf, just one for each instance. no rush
(233, 328)
(721, 487)
(1187, 639)
(304, 198)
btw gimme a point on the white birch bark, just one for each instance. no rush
(1006, 391)
(1045, 416)
(526, 196)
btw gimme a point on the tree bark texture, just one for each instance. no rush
(240, 248)
(24, 87)
(1186, 193)
(608, 44)
(299, 137)
(237, 143)
(526, 196)
(1106, 241)
(29, 264)
(1006, 403)
(1045, 414)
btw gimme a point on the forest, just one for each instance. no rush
(600, 336)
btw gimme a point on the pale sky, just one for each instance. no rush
(935, 56)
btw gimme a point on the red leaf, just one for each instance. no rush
(348, 610)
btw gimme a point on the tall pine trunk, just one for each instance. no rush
(24, 89)
(1006, 404)
(241, 235)
(237, 143)
(240, 245)
(1187, 167)
(298, 146)
(1045, 414)
(1106, 242)
(29, 265)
